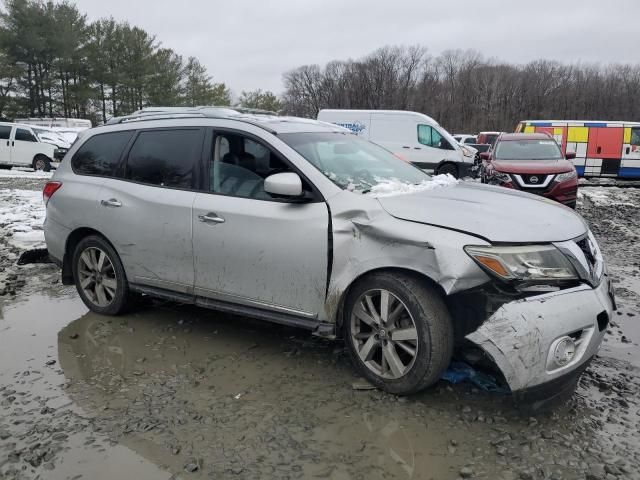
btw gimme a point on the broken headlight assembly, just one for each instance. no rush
(529, 264)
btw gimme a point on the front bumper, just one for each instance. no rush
(521, 335)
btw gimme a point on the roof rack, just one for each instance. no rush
(167, 113)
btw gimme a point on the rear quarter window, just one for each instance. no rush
(100, 154)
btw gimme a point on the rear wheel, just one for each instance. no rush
(99, 276)
(398, 332)
(41, 163)
(449, 168)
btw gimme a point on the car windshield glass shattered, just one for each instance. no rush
(353, 163)
(528, 150)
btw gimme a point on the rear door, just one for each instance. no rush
(146, 211)
(5, 144)
(25, 146)
(250, 248)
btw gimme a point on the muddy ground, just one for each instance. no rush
(173, 391)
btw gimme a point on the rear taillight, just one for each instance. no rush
(49, 189)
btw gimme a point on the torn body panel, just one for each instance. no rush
(366, 238)
(521, 336)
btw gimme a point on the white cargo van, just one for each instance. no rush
(412, 136)
(21, 147)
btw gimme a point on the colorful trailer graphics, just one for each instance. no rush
(603, 149)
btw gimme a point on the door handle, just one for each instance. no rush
(628, 150)
(210, 217)
(112, 202)
(599, 150)
(7, 143)
(405, 146)
(416, 148)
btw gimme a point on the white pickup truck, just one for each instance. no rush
(21, 147)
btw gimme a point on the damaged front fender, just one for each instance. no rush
(366, 238)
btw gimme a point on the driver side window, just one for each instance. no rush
(239, 166)
(429, 136)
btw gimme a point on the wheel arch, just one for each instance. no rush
(447, 162)
(72, 241)
(421, 276)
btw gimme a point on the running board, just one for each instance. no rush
(318, 327)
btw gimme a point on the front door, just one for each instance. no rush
(5, 144)
(250, 248)
(25, 147)
(146, 212)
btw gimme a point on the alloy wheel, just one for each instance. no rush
(97, 276)
(40, 164)
(384, 334)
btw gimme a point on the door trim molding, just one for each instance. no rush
(250, 302)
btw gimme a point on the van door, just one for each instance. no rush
(630, 166)
(25, 146)
(395, 132)
(432, 148)
(5, 144)
(604, 150)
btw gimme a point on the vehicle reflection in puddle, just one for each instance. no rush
(238, 396)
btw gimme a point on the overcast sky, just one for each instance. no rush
(249, 44)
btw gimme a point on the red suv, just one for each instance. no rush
(531, 162)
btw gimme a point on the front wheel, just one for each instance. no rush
(398, 332)
(99, 276)
(42, 164)
(449, 168)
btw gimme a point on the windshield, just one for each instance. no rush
(528, 150)
(351, 162)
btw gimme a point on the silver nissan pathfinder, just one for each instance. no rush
(300, 222)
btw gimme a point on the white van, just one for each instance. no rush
(21, 147)
(412, 136)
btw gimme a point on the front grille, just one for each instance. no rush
(534, 180)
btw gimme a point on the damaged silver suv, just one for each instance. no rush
(302, 223)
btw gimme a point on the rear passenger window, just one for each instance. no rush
(4, 132)
(165, 157)
(100, 154)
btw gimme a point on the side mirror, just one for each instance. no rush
(570, 155)
(485, 155)
(283, 185)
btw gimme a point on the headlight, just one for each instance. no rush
(499, 177)
(466, 151)
(524, 263)
(566, 176)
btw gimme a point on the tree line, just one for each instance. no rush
(464, 91)
(54, 62)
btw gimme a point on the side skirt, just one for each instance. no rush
(320, 328)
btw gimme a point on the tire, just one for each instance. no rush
(115, 297)
(425, 326)
(449, 168)
(41, 163)
(5, 167)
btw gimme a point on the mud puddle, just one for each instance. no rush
(176, 390)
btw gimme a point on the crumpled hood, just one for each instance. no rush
(497, 214)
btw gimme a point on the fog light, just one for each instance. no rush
(564, 351)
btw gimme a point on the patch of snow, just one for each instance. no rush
(22, 214)
(389, 188)
(24, 173)
(605, 196)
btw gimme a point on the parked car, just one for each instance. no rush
(412, 136)
(487, 137)
(301, 223)
(21, 147)
(54, 138)
(533, 163)
(601, 149)
(465, 138)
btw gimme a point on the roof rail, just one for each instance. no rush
(167, 113)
